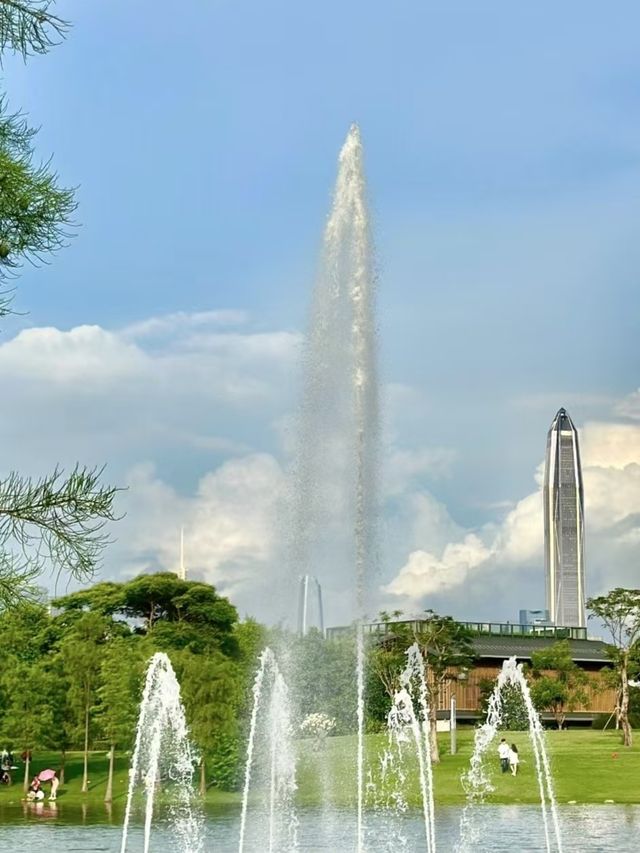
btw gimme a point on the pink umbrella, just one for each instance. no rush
(46, 775)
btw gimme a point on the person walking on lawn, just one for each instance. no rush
(514, 759)
(503, 755)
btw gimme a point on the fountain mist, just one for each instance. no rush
(277, 734)
(476, 779)
(335, 492)
(162, 748)
(403, 715)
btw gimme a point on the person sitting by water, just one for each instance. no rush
(503, 755)
(514, 759)
(35, 791)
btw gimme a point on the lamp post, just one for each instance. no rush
(452, 726)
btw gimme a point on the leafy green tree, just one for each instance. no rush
(619, 610)
(321, 679)
(121, 673)
(60, 736)
(177, 614)
(83, 650)
(212, 694)
(514, 715)
(558, 683)
(27, 716)
(446, 647)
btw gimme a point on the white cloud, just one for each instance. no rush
(193, 411)
(231, 534)
(629, 407)
(611, 471)
(172, 324)
(425, 574)
(607, 445)
(403, 467)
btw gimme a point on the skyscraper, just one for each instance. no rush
(564, 524)
(303, 605)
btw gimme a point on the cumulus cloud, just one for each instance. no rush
(611, 472)
(629, 407)
(193, 413)
(424, 573)
(403, 467)
(169, 325)
(230, 523)
(100, 394)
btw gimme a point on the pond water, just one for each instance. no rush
(586, 829)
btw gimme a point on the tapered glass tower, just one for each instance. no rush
(564, 524)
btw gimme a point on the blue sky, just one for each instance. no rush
(503, 157)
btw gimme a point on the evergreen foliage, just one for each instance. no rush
(56, 520)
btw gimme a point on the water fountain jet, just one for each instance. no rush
(476, 779)
(162, 744)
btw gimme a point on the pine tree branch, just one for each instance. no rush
(57, 520)
(27, 27)
(35, 212)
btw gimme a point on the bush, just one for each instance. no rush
(224, 764)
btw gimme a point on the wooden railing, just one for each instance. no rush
(600, 699)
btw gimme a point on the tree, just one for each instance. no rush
(446, 647)
(513, 710)
(57, 519)
(60, 736)
(176, 613)
(121, 673)
(212, 694)
(27, 716)
(35, 212)
(54, 520)
(82, 651)
(619, 610)
(558, 684)
(320, 677)
(27, 26)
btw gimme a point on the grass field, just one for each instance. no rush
(588, 767)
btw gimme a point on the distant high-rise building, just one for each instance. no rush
(564, 524)
(534, 617)
(304, 620)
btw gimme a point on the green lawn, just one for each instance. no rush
(588, 767)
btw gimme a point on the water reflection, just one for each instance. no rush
(587, 829)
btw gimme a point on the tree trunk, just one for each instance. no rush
(109, 792)
(27, 762)
(85, 774)
(433, 734)
(627, 737)
(203, 777)
(63, 759)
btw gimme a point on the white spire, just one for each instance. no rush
(182, 570)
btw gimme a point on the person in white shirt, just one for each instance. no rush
(514, 759)
(503, 755)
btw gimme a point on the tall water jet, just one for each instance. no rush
(335, 488)
(162, 750)
(282, 829)
(478, 783)
(402, 716)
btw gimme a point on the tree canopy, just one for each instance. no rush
(558, 683)
(619, 610)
